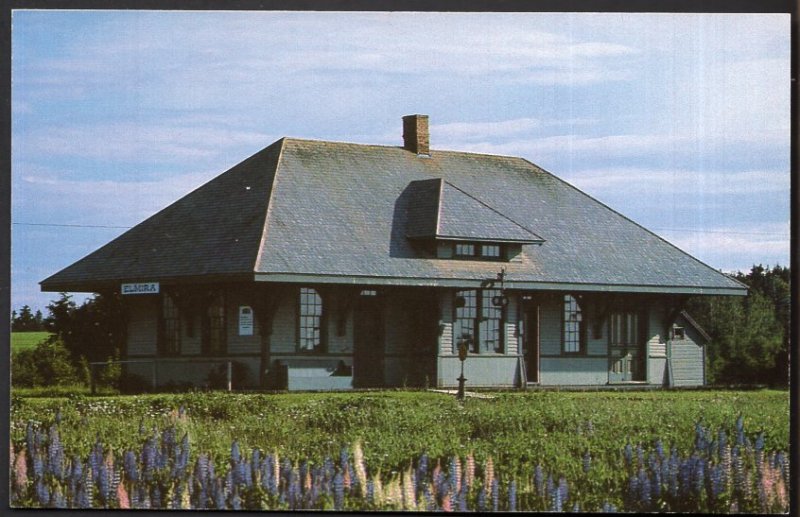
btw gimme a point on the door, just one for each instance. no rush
(368, 340)
(530, 337)
(625, 348)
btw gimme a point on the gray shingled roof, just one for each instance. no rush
(305, 210)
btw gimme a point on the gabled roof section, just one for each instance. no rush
(440, 210)
(215, 230)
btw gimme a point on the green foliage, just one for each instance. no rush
(26, 320)
(46, 365)
(95, 330)
(749, 336)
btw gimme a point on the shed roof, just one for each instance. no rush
(314, 211)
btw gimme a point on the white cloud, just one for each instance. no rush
(676, 181)
(131, 141)
(735, 248)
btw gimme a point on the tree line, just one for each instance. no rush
(750, 336)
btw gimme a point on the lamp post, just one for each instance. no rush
(463, 347)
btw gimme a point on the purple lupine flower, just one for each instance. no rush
(698, 476)
(129, 464)
(655, 485)
(538, 479)
(722, 442)
(183, 456)
(38, 465)
(550, 487)
(235, 455)
(482, 500)
(576, 508)
(563, 490)
(462, 499)
(155, 498)
(452, 477)
(660, 450)
(82, 499)
(148, 459)
(644, 489)
(102, 483)
(495, 495)
(556, 505)
(609, 508)
(512, 497)
(587, 461)
(55, 456)
(338, 491)
(639, 455)
(628, 452)
(740, 438)
(717, 483)
(422, 466)
(57, 500)
(255, 463)
(236, 501)
(631, 497)
(42, 493)
(219, 495)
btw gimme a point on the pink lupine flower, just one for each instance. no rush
(446, 505)
(21, 470)
(457, 466)
(488, 474)
(469, 470)
(409, 498)
(122, 497)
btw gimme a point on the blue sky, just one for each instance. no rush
(678, 121)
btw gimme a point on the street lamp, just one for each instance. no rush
(463, 348)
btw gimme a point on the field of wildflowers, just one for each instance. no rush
(160, 463)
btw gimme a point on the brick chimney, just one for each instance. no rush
(415, 134)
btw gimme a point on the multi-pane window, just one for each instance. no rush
(479, 320)
(214, 327)
(478, 251)
(466, 316)
(170, 342)
(624, 328)
(465, 249)
(490, 323)
(572, 325)
(310, 330)
(490, 251)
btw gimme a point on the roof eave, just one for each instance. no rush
(513, 285)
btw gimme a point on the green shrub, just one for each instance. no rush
(46, 365)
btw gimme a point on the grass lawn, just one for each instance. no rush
(26, 340)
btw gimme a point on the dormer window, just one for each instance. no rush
(478, 251)
(455, 224)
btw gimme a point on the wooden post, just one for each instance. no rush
(92, 380)
(230, 376)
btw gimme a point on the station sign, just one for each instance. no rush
(140, 288)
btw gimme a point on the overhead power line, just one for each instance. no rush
(73, 225)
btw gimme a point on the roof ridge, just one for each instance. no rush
(264, 229)
(397, 147)
(498, 212)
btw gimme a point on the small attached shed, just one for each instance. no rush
(686, 352)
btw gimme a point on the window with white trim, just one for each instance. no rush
(572, 320)
(479, 320)
(310, 320)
